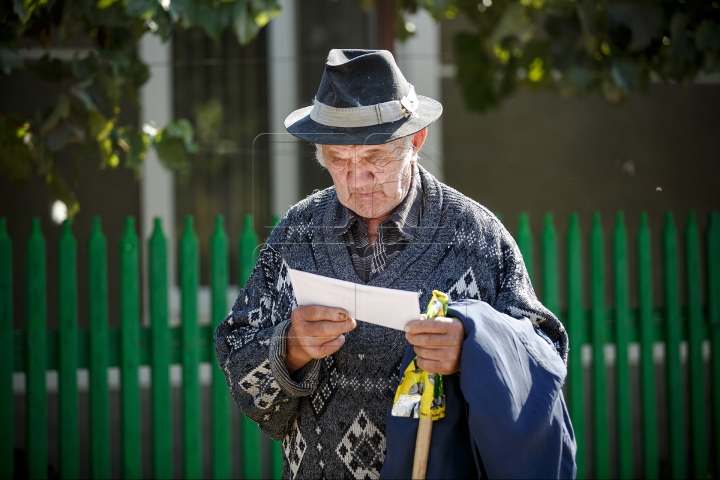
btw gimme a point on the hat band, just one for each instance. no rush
(352, 117)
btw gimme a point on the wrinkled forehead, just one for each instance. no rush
(353, 151)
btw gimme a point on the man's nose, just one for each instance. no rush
(360, 173)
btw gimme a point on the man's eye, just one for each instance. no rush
(336, 162)
(380, 161)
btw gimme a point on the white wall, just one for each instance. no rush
(157, 192)
(419, 60)
(283, 99)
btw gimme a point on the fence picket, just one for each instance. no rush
(551, 276)
(696, 334)
(622, 342)
(99, 361)
(598, 313)
(676, 434)
(525, 242)
(130, 351)
(576, 333)
(713, 296)
(69, 446)
(162, 428)
(189, 281)
(219, 277)
(647, 338)
(7, 414)
(251, 433)
(37, 350)
(36, 354)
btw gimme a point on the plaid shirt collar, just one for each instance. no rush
(405, 218)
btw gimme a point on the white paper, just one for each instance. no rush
(381, 306)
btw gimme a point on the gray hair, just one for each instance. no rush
(404, 143)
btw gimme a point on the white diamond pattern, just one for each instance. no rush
(466, 287)
(362, 448)
(261, 385)
(294, 447)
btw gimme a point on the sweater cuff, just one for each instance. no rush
(306, 379)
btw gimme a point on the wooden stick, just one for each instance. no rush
(422, 448)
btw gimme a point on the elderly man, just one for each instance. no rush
(323, 382)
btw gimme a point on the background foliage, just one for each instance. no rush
(614, 47)
(84, 121)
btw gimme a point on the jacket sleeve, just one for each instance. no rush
(250, 347)
(516, 296)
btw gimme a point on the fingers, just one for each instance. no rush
(435, 333)
(314, 313)
(321, 347)
(435, 366)
(318, 330)
(439, 354)
(320, 321)
(429, 340)
(328, 348)
(437, 343)
(431, 325)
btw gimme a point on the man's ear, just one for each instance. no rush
(419, 139)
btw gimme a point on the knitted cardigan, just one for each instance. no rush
(331, 414)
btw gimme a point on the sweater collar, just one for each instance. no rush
(434, 231)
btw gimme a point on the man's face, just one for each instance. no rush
(371, 180)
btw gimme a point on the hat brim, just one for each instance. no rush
(299, 124)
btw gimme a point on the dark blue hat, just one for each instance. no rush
(363, 99)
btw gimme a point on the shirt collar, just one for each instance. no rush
(405, 217)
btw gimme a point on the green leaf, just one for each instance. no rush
(9, 61)
(15, 155)
(244, 25)
(164, 23)
(171, 152)
(536, 70)
(50, 69)
(102, 4)
(212, 19)
(99, 126)
(174, 142)
(106, 93)
(134, 144)
(183, 130)
(82, 94)
(61, 111)
(23, 9)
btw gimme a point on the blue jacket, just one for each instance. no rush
(506, 416)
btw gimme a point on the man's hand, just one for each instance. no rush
(437, 342)
(316, 332)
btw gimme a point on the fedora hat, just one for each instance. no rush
(363, 99)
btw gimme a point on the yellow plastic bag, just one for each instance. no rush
(422, 394)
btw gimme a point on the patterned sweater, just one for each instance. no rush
(331, 414)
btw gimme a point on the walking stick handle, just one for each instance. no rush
(422, 448)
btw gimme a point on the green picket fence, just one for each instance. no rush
(37, 350)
